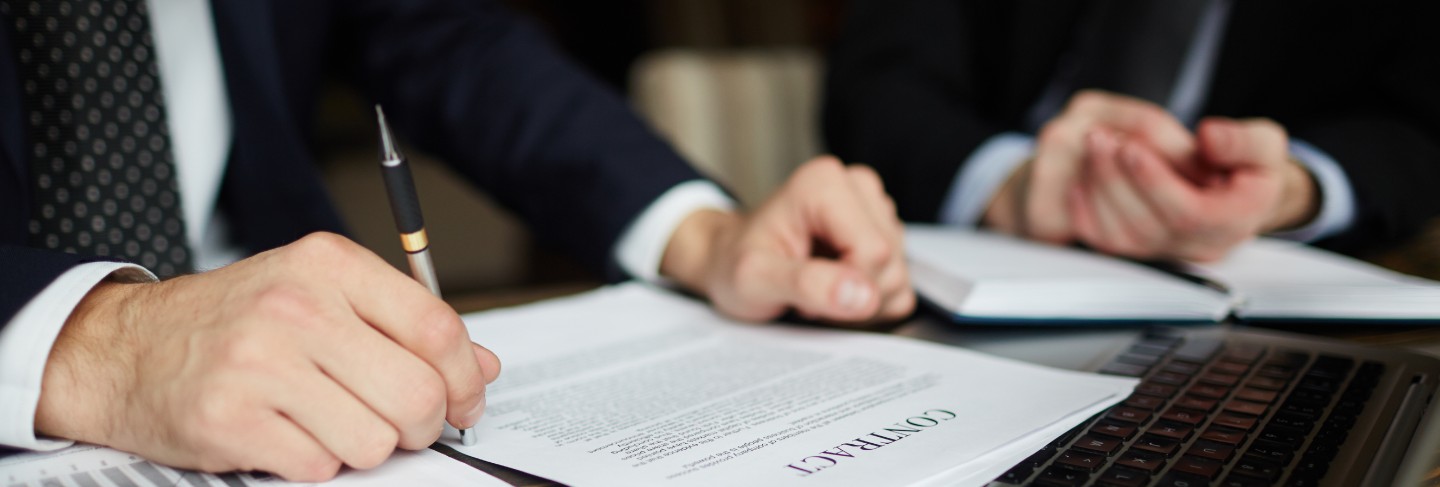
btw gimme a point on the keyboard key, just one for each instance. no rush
(1200, 467)
(1184, 416)
(1281, 434)
(1170, 378)
(1237, 480)
(1244, 353)
(1035, 460)
(1303, 409)
(1191, 402)
(1313, 463)
(1182, 368)
(1212, 450)
(1119, 476)
(1271, 451)
(1182, 479)
(1255, 467)
(1265, 383)
(1144, 402)
(1103, 445)
(1197, 349)
(1016, 475)
(1156, 444)
(1230, 368)
(1277, 373)
(1062, 477)
(1292, 421)
(1236, 421)
(1208, 391)
(1246, 407)
(1174, 431)
(1086, 461)
(1133, 415)
(1218, 379)
(1229, 436)
(1256, 395)
(1289, 358)
(1140, 459)
(1114, 429)
(1154, 389)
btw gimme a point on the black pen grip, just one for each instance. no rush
(404, 201)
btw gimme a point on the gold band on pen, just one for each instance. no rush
(414, 242)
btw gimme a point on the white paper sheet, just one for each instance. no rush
(633, 386)
(89, 465)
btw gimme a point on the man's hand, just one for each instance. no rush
(828, 244)
(1134, 202)
(294, 362)
(1033, 202)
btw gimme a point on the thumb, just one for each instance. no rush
(821, 288)
(1239, 143)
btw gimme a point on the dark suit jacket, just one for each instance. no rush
(464, 79)
(915, 86)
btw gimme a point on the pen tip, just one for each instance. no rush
(387, 142)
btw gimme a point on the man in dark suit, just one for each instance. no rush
(171, 134)
(1147, 129)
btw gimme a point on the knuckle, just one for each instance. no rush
(375, 448)
(324, 245)
(438, 329)
(1088, 99)
(246, 351)
(874, 253)
(422, 405)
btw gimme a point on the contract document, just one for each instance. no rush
(631, 385)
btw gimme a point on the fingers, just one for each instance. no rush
(373, 369)
(409, 315)
(1137, 231)
(897, 296)
(834, 210)
(1140, 119)
(1231, 143)
(275, 444)
(337, 419)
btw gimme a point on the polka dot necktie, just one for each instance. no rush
(102, 169)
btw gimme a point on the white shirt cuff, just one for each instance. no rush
(643, 244)
(982, 175)
(1337, 198)
(25, 345)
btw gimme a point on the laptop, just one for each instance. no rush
(1228, 405)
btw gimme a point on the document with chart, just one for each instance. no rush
(634, 386)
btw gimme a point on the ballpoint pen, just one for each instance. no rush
(405, 204)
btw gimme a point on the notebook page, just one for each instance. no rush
(1279, 279)
(987, 275)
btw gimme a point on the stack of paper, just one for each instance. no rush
(633, 386)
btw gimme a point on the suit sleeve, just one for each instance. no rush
(474, 84)
(1388, 141)
(903, 96)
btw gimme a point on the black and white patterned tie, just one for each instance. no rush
(103, 172)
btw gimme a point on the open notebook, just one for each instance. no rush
(980, 276)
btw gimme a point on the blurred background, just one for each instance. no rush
(734, 84)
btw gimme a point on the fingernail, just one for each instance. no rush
(852, 295)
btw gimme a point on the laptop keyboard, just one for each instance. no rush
(1208, 412)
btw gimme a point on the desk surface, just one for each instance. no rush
(1065, 347)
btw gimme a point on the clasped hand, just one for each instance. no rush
(1124, 177)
